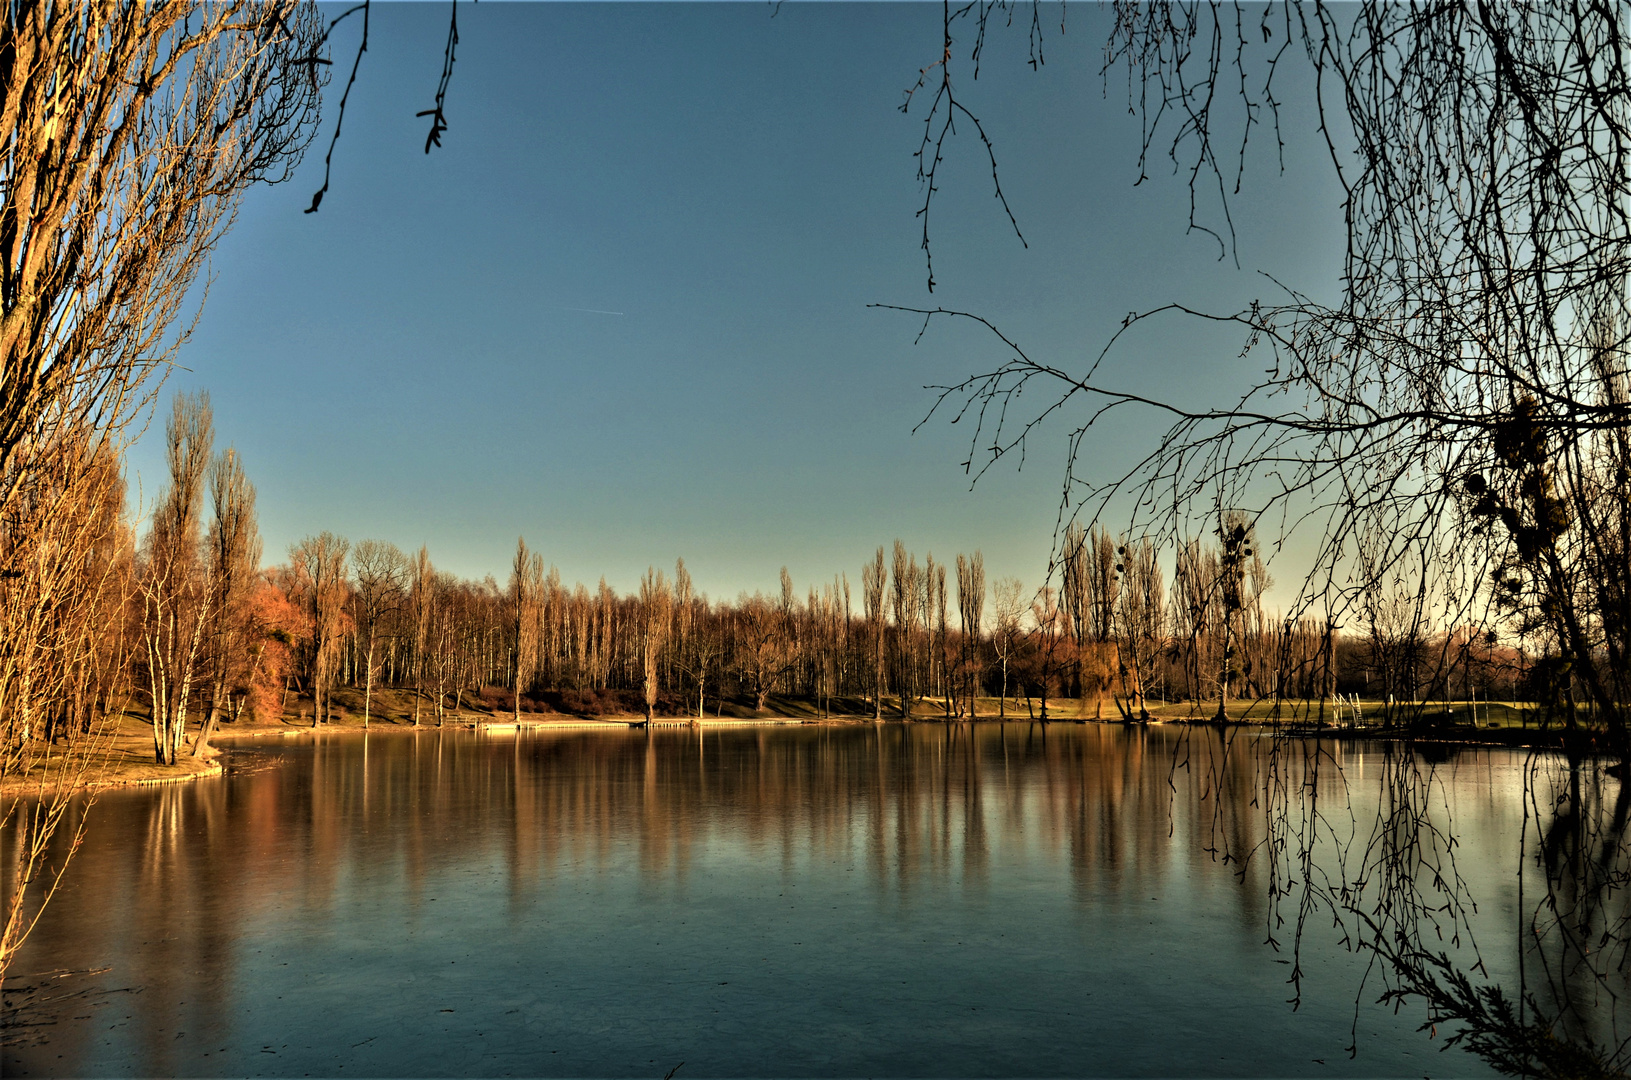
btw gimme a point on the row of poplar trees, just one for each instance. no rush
(189, 627)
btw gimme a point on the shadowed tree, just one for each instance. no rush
(970, 609)
(874, 579)
(1073, 592)
(1008, 603)
(1458, 406)
(1141, 610)
(935, 617)
(906, 579)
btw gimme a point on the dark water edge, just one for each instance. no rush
(832, 900)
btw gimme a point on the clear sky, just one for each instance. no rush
(623, 311)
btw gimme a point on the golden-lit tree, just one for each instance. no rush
(656, 610)
(234, 554)
(319, 563)
(176, 598)
(380, 571)
(422, 608)
(64, 656)
(128, 132)
(526, 605)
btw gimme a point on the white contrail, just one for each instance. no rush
(592, 311)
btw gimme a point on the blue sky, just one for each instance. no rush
(431, 358)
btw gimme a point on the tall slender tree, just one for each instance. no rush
(656, 610)
(175, 594)
(970, 610)
(874, 579)
(233, 562)
(526, 604)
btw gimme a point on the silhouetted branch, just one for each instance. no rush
(438, 119)
(312, 61)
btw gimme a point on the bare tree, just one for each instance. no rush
(939, 651)
(127, 134)
(906, 578)
(1237, 537)
(1091, 574)
(1194, 609)
(65, 658)
(1141, 610)
(319, 563)
(1008, 597)
(234, 561)
(1074, 564)
(1051, 640)
(422, 606)
(175, 594)
(656, 611)
(526, 596)
(874, 579)
(970, 609)
(760, 645)
(1462, 408)
(1464, 402)
(380, 571)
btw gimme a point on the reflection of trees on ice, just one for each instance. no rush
(1369, 836)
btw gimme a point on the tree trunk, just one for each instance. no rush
(201, 743)
(1002, 702)
(368, 683)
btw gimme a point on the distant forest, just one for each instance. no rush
(197, 630)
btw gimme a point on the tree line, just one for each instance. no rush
(183, 622)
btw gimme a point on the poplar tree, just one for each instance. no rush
(970, 608)
(873, 582)
(234, 559)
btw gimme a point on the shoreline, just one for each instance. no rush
(128, 759)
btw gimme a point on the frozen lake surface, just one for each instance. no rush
(835, 900)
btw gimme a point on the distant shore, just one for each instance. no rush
(128, 759)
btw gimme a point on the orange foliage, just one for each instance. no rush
(276, 625)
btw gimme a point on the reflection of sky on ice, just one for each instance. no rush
(844, 900)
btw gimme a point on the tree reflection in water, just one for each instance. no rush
(1380, 854)
(376, 852)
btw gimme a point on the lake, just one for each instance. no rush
(809, 900)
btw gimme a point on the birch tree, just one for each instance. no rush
(175, 592)
(1008, 596)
